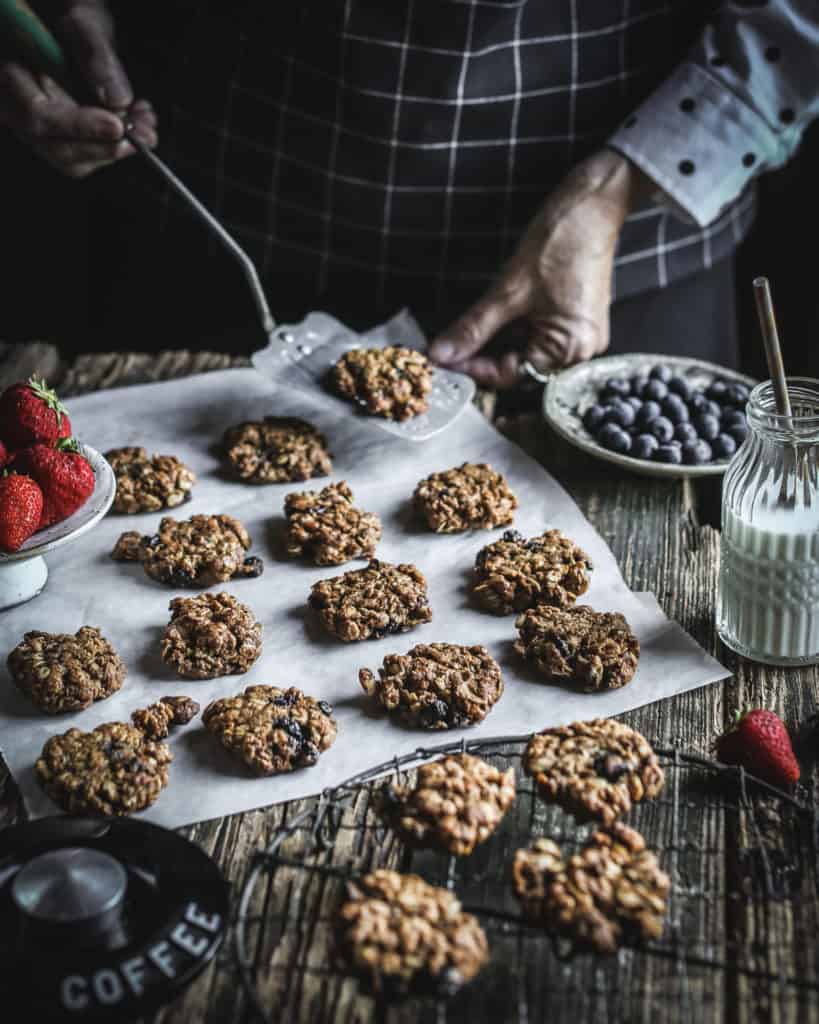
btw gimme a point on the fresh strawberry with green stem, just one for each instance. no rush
(31, 413)
(64, 475)
(21, 505)
(760, 743)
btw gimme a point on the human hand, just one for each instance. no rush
(558, 278)
(74, 137)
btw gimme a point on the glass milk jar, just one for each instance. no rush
(768, 608)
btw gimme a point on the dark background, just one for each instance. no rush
(56, 234)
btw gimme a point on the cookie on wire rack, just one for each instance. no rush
(611, 893)
(595, 770)
(403, 936)
(455, 803)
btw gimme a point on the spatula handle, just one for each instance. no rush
(30, 38)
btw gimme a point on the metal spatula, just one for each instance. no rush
(297, 356)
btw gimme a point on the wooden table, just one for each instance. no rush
(768, 928)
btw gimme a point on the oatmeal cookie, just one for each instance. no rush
(455, 804)
(594, 770)
(403, 936)
(115, 769)
(327, 528)
(470, 497)
(586, 649)
(275, 450)
(372, 602)
(514, 573)
(437, 686)
(272, 730)
(60, 672)
(156, 721)
(610, 894)
(195, 552)
(148, 483)
(391, 382)
(210, 635)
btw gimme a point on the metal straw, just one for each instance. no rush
(776, 368)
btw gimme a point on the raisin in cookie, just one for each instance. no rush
(275, 450)
(272, 730)
(514, 573)
(195, 552)
(114, 769)
(60, 672)
(391, 382)
(402, 935)
(210, 635)
(578, 646)
(372, 602)
(594, 770)
(148, 483)
(327, 528)
(156, 721)
(437, 686)
(471, 497)
(610, 894)
(455, 804)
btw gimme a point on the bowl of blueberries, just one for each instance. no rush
(658, 415)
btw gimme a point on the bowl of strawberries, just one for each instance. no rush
(52, 488)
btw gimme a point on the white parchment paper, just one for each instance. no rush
(186, 417)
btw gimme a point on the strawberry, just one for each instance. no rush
(760, 743)
(31, 413)
(65, 477)
(21, 504)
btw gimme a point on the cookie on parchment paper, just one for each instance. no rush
(276, 449)
(472, 496)
(210, 635)
(326, 527)
(436, 686)
(156, 720)
(148, 483)
(59, 672)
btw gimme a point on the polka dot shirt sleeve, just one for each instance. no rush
(736, 108)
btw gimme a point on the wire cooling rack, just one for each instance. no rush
(738, 852)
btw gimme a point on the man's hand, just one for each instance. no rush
(559, 278)
(74, 137)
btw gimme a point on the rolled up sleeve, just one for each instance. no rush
(736, 108)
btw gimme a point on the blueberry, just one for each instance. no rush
(717, 390)
(724, 446)
(670, 453)
(618, 386)
(732, 417)
(697, 402)
(738, 432)
(648, 411)
(680, 386)
(662, 429)
(714, 408)
(593, 418)
(643, 446)
(635, 402)
(685, 433)
(620, 413)
(737, 395)
(707, 426)
(696, 453)
(675, 409)
(637, 385)
(614, 438)
(661, 373)
(655, 390)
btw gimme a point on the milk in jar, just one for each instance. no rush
(768, 608)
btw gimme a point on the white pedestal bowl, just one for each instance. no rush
(23, 573)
